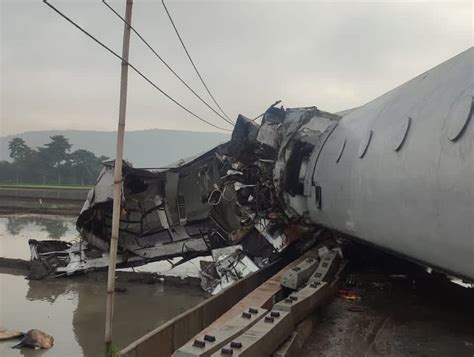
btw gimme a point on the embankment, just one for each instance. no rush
(42, 199)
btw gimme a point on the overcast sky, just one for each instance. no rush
(335, 55)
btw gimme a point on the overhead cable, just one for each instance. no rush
(164, 62)
(191, 60)
(132, 67)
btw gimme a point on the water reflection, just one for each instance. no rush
(72, 311)
(14, 226)
(28, 352)
(15, 231)
(54, 227)
(46, 290)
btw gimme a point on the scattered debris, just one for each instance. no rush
(357, 309)
(351, 280)
(398, 276)
(231, 264)
(9, 334)
(348, 295)
(209, 276)
(381, 285)
(36, 338)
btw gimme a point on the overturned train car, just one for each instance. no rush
(397, 173)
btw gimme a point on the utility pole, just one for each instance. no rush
(118, 180)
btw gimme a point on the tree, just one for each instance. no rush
(21, 154)
(50, 163)
(86, 163)
(8, 172)
(56, 152)
(19, 151)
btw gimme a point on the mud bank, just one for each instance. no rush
(42, 201)
(21, 267)
(390, 308)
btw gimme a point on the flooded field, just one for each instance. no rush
(15, 230)
(72, 309)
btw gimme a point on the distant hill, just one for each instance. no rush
(143, 148)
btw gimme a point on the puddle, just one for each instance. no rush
(72, 310)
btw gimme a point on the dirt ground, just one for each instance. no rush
(415, 314)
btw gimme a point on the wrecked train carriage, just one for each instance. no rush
(395, 172)
(232, 194)
(165, 212)
(219, 198)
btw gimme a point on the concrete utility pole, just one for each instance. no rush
(118, 179)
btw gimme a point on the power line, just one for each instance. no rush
(164, 62)
(132, 67)
(271, 106)
(191, 60)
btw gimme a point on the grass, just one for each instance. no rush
(111, 352)
(43, 187)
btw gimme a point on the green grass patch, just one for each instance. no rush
(112, 352)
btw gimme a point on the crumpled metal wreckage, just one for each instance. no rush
(222, 203)
(395, 173)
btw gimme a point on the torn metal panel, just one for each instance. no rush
(273, 235)
(268, 134)
(231, 265)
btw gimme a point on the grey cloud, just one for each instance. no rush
(334, 55)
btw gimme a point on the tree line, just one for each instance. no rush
(54, 163)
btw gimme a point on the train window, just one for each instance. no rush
(365, 144)
(296, 165)
(459, 117)
(341, 150)
(319, 199)
(401, 133)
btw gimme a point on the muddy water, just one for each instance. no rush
(15, 230)
(72, 309)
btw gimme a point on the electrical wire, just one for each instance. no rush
(191, 60)
(164, 62)
(273, 105)
(132, 67)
